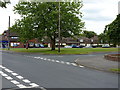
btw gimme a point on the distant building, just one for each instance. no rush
(15, 43)
(14, 40)
(3, 42)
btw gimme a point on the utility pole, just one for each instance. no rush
(118, 7)
(59, 30)
(9, 34)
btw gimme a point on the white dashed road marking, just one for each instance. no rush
(21, 78)
(15, 74)
(45, 59)
(4, 75)
(81, 66)
(8, 70)
(15, 82)
(9, 78)
(74, 64)
(26, 81)
(57, 61)
(21, 86)
(68, 63)
(62, 62)
(53, 60)
(34, 85)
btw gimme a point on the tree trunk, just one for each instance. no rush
(52, 44)
(27, 45)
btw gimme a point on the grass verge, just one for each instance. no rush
(115, 70)
(64, 50)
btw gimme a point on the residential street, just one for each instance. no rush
(52, 71)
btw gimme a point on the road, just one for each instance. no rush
(51, 71)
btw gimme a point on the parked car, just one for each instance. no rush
(37, 45)
(31, 45)
(67, 46)
(81, 46)
(106, 46)
(75, 46)
(88, 47)
(41, 45)
(94, 46)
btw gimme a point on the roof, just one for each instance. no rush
(2, 37)
(6, 32)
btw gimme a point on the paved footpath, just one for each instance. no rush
(46, 71)
(97, 61)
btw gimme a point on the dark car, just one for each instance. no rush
(81, 46)
(94, 46)
(75, 46)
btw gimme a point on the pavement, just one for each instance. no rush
(52, 71)
(98, 62)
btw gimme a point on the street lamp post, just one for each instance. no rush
(118, 7)
(9, 34)
(59, 29)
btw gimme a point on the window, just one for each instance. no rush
(91, 40)
(4, 33)
(15, 44)
(14, 37)
(81, 40)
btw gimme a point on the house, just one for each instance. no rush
(14, 39)
(3, 42)
(15, 43)
(88, 41)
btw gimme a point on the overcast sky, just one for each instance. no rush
(97, 14)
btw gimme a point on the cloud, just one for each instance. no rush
(98, 18)
(98, 13)
(4, 16)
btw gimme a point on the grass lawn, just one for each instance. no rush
(115, 69)
(64, 50)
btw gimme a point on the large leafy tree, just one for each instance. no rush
(4, 3)
(112, 30)
(45, 15)
(24, 29)
(103, 38)
(89, 34)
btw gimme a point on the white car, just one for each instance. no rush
(68, 46)
(106, 46)
(88, 47)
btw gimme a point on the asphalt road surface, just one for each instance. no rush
(51, 71)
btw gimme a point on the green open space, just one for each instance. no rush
(116, 69)
(64, 50)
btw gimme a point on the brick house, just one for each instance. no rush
(75, 41)
(15, 43)
(14, 39)
(3, 42)
(87, 41)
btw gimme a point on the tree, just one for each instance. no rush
(112, 30)
(4, 3)
(24, 29)
(44, 15)
(89, 34)
(103, 38)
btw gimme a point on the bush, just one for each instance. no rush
(99, 45)
(45, 45)
(60, 45)
(112, 45)
(94, 46)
